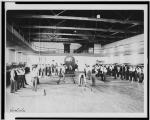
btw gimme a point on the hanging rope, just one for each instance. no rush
(94, 36)
(40, 46)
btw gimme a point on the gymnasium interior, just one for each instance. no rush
(84, 38)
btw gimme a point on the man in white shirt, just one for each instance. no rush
(118, 70)
(130, 73)
(133, 74)
(81, 69)
(111, 70)
(101, 72)
(34, 75)
(22, 77)
(12, 80)
(19, 77)
(89, 72)
(104, 73)
(140, 75)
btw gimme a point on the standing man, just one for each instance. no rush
(56, 68)
(121, 72)
(22, 80)
(61, 74)
(127, 73)
(133, 74)
(46, 69)
(89, 72)
(23, 77)
(42, 70)
(142, 74)
(136, 74)
(94, 72)
(115, 71)
(52, 68)
(12, 80)
(34, 78)
(118, 70)
(101, 72)
(19, 77)
(104, 73)
(130, 73)
(49, 70)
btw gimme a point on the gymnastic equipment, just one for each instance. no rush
(69, 61)
(70, 67)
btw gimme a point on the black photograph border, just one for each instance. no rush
(64, 2)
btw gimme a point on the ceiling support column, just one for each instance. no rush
(66, 47)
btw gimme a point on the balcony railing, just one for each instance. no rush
(17, 34)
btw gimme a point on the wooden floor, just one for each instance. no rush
(111, 96)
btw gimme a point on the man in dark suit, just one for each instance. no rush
(93, 76)
(127, 73)
(123, 72)
(19, 76)
(115, 71)
(46, 70)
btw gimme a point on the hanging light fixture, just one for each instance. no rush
(98, 16)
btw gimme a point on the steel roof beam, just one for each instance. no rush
(80, 35)
(81, 18)
(60, 39)
(77, 28)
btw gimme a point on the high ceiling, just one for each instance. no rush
(77, 26)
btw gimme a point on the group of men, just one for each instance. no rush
(50, 69)
(124, 72)
(17, 77)
(46, 70)
(99, 70)
(91, 73)
(127, 72)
